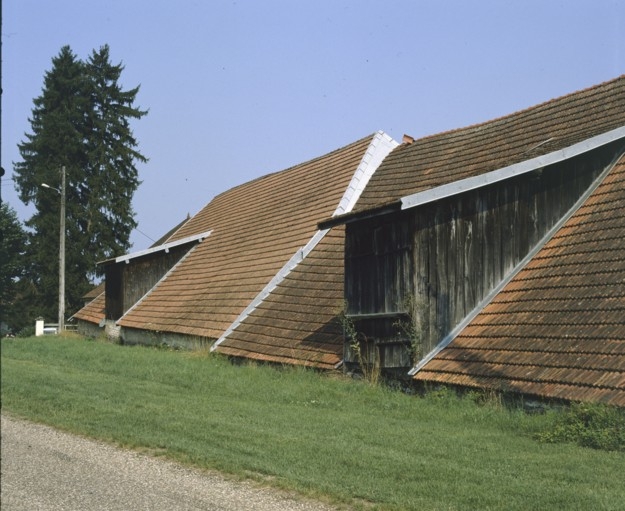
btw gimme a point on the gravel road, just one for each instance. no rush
(44, 470)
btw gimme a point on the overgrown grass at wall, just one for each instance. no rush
(341, 440)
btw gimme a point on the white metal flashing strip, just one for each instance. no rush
(378, 149)
(297, 258)
(164, 247)
(471, 183)
(167, 274)
(504, 282)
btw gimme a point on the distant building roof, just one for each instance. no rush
(95, 292)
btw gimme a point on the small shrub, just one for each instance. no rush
(27, 331)
(592, 425)
(487, 397)
(366, 353)
(411, 329)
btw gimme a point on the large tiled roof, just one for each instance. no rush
(448, 157)
(256, 228)
(558, 328)
(298, 322)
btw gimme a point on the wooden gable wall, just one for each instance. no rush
(435, 263)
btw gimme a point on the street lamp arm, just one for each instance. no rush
(51, 187)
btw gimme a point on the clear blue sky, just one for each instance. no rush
(239, 89)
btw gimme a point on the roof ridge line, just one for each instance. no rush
(503, 173)
(164, 246)
(379, 148)
(572, 96)
(522, 264)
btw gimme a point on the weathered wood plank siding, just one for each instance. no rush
(114, 305)
(445, 257)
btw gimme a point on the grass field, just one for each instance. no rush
(340, 440)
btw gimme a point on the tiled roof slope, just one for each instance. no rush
(447, 157)
(93, 312)
(166, 237)
(558, 328)
(256, 228)
(297, 323)
(95, 292)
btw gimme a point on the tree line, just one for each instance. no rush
(80, 122)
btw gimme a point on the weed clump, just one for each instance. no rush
(593, 425)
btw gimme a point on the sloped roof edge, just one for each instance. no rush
(471, 183)
(297, 258)
(157, 284)
(480, 306)
(73, 316)
(164, 247)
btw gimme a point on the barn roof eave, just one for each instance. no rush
(349, 218)
(164, 247)
(516, 169)
(476, 182)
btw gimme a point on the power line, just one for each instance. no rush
(141, 232)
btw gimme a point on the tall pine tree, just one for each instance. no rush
(12, 269)
(111, 173)
(81, 122)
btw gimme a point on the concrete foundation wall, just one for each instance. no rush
(173, 340)
(89, 329)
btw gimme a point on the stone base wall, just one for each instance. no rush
(89, 329)
(172, 340)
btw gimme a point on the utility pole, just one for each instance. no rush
(61, 192)
(62, 256)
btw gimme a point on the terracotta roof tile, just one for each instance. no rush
(93, 312)
(298, 322)
(558, 328)
(95, 292)
(256, 228)
(447, 157)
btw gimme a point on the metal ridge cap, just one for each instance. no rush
(379, 147)
(479, 181)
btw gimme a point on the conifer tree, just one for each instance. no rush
(12, 267)
(81, 121)
(111, 173)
